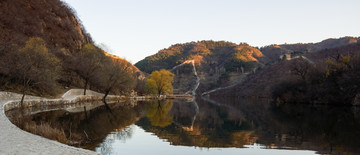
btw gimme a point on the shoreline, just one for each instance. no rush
(13, 140)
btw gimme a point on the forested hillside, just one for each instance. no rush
(329, 76)
(273, 52)
(221, 64)
(324, 72)
(45, 36)
(52, 20)
(218, 62)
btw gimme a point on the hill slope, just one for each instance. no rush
(54, 22)
(217, 62)
(225, 65)
(329, 76)
(273, 52)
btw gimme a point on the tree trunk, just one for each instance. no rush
(159, 104)
(86, 117)
(23, 92)
(104, 99)
(86, 83)
(106, 94)
(22, 98)
(159, 93)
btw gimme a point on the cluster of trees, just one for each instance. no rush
(331, 81)
(104, 73)
(33, 66)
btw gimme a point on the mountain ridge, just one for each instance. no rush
(222, 64)
(216, 61)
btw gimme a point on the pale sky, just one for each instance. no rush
(134, 29)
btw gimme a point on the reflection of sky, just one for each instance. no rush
(142, 142)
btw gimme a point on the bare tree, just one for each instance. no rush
(33, 65)
(88, 63)
(116, 75)
(300, 67)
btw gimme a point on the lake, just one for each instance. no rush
(202, 126)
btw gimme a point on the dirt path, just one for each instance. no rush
(16, 141)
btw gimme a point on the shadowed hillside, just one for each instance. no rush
(52, 27)
(273, 52)
(223, 64)
(52, 20)
(329, 76)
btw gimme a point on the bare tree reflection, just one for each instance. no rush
(122, 135)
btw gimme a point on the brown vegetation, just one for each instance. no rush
(44, 49)
(33, 66)
(215, 61)
(52, 20)
(331, 78)
(45, 130)
(273, 52)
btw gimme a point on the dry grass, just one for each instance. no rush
(45, 130)
(52, 131)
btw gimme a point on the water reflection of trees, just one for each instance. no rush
(239, 122)
(326, 129)
(219, 122)
(90, 128)
(106, 147)
(157, 111)
(203, 125)
(330, 130)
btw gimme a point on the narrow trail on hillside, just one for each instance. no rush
(221, 88)
(196, 86)
(308, 60)
(193, 92)
(305, 58)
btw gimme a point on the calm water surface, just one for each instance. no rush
(207, 126)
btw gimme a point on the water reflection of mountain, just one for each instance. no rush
(239, 122)
(209, 126)
(215, 123)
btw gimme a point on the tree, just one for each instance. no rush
(160, 82)
(33, 65)
(300, 67)
(88, 63)
(115, 75)
(158, 112)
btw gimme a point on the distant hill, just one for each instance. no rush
(328, 76)
(273, 52)
(229, 69)
(217, 62)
